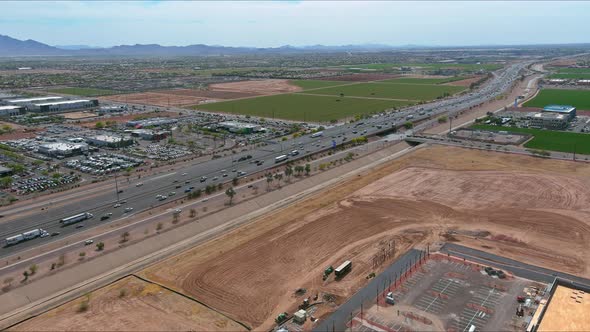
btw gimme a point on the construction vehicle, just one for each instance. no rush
(327, 272)
(520, 299)
(389, 298)
(281, 318)
(305, 304)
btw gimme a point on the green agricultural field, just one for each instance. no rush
(550, 140)
(572, 76)
(573, 70)
(88, 92)
(415, 92)
(427, 81)
(577, 98)
(302, 107)
(462, 66)
(314, 84)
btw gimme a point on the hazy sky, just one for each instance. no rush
(275, 23)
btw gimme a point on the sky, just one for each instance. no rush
(277, 23)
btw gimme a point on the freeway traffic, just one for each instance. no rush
(134, 197)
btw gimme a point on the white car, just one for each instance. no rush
(139, 184)
(129, 209)
(117, 205)
(88, 242)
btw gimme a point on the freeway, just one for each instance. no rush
(142, 197)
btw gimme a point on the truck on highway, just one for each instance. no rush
(281, 158)
(318, 134)
(76, 218)
(29, 235)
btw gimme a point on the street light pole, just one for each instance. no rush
(117, 187)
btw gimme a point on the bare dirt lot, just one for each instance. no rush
(210, 94)
(130, 304)
(367, 77)
(520, 207)
(158, 99)
(79, 115)
(18, 131)
(263, 87)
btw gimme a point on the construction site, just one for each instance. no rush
(316, 253)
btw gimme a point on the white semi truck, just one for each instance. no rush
(28, 235)
(75, 219)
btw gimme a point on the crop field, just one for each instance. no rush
(314, 84)
(87, 92)
(414, 80)
(302, 107)
(572, 73)
(548, 139)
(462, 66)
(577, 98)
(412, 92)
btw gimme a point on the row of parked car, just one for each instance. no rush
(41, 183)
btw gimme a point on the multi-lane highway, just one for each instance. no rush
(101, 201)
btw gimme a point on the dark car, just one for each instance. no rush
(55, 234)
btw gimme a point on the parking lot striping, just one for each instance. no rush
(482, 304)
(450, 281)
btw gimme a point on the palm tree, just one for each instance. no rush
(269, 179)
(279, 177)
(289, 172)
(230, 192)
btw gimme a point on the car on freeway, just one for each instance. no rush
(187, 190)
(215, 178)
(120, 191)
(177, 211)
(172, 193)
(88, 242)
(79, 225)
(139, 184)
(224, 175)
(106, 216)
(203, 179)
(177, 186)
(184, 174)
(128, 209)
(241, 173)
(44, 234)
(117, 205)
(55, 233)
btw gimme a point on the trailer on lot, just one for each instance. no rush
(343, 269)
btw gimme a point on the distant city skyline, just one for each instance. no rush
(297, 23)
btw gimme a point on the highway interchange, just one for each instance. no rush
(46, 214)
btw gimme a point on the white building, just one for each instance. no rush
(30, 101)
(63, 149)
(11, 110)
(60, 106)
(110, 141)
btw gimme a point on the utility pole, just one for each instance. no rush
(116, 187)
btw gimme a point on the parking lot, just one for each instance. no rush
(451, 295)
(41, 183)
(101, 164)
(489, 136)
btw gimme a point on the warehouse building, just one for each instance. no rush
(11, 110)
(66, 105)
(110, 141)
(28, 102)
(62, 149)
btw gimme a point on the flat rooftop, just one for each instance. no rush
(30, 100)
(64, 102)
(568, 310)
(559, 108)
(3, 108)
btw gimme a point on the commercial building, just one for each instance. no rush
(111, 109)
(66, 105)
(30, 101)
(148, 134)
(5, 171)
(11, 110)
(566, 110)
(548, 120)
(153, 122)
(110, 141)
(239, 127)
(62, 149)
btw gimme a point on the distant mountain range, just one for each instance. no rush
(14, 47)
(11, 47)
